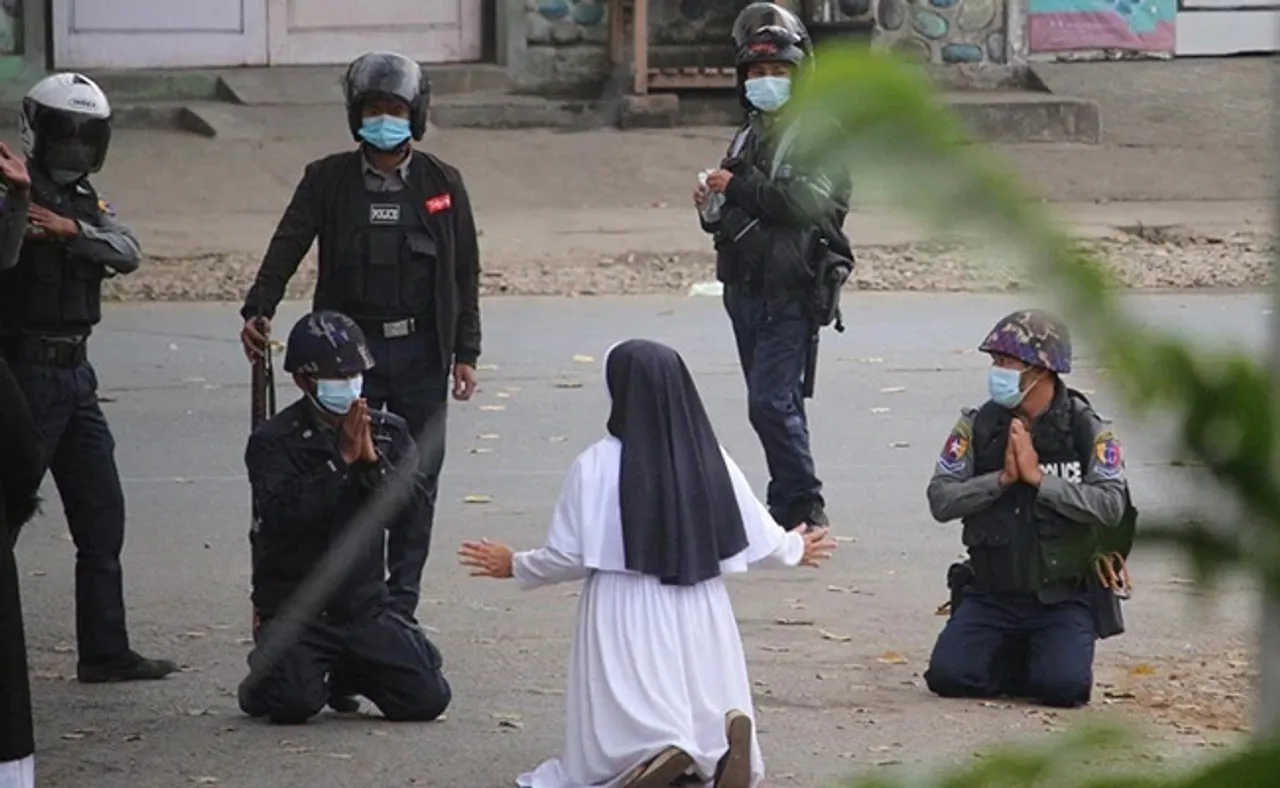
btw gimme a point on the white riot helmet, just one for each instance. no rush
(66, 126)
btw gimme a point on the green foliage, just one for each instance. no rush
(1069, 761)
(865, 111)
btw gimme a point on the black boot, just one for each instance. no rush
(132, 667)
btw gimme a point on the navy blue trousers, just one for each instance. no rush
(771, 350)
(80, 451)
(1016, 646)
(384, 657)
(411, 381)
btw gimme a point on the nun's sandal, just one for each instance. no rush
(660, 772)
(734, 769)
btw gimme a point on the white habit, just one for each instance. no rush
(651, 666)
(18, 774)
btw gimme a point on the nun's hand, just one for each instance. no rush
(486, 559)
(817, 547)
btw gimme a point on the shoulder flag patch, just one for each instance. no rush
(1108, 457)
(956, 449)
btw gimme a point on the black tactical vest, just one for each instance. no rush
(49, 290)
(387, 270)
(1015, 546)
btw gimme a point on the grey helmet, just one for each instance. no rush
(386, 75)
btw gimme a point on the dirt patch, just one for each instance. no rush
(1164, 260)
(1201, 698)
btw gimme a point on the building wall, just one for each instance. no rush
(566, 39)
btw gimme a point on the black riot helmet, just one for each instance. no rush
(386, 75)
(768, 33)
(327, 344)
(761, 15)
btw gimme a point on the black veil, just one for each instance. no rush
(680, 517)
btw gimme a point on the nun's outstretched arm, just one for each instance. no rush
(546, 566)
(560, 560)
(769, 546)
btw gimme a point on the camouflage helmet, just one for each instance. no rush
(1035, 338)
(327, 345)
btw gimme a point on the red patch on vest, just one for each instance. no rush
(440, 203)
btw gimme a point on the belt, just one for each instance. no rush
(46, 350)
(390, 329)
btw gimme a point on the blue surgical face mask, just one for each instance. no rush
(768, 94)
(337, 396)
(1005, 386)
(384, 132)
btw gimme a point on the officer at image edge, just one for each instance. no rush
(67, 240)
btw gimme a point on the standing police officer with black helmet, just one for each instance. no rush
(398, 254)
(49, 303)
(312, 467)
(781, 253)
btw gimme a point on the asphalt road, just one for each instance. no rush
(832, 698)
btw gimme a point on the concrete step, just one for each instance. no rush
(306, 85)
(207, 118)
(997, 116)
(1027, 116)
(993, 116)
(292, 85)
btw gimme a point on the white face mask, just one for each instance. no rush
(337, 396)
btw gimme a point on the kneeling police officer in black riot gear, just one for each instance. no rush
(312, 467)
(398, 254)
(50, 300)
(781, 253)
(1037, 478)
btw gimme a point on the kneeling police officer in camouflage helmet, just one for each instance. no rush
(311, 468)
(781, 253)
(1037, 478)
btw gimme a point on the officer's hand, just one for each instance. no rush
(487, 559)
(718, 181)
(353, 432)
(253, 337)
(14, 170)
(1009, 473)
(817, 547)
(464, 381)
(1025, 452)
(50, 223)
(700, 195)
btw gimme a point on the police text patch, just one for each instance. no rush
(1108, 458)
(384, 213)
(956, 449)
(1067, 471)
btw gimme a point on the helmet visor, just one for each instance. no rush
(71, 141)
(384, 74)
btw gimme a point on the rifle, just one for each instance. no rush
(824, 308)
(262, 406)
